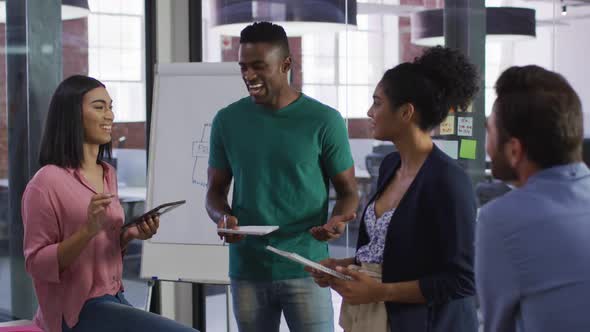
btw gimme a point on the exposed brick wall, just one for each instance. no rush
(296, 68)
(431, 4)
(409, 51)
(359, 128)
(134, 133)
(75, 61)
(75, 47)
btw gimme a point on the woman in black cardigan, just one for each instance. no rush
(413, 269)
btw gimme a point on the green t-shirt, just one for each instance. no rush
(281, 162)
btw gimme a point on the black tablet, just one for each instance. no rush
(157, 211)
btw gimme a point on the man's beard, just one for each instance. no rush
(501, 168)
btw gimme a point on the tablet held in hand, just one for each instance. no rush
(304, 261)
(157, 211)
(249, 230)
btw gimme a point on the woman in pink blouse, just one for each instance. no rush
(73, 242)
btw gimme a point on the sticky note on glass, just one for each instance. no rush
(447, 127)
(468, 148)
(465, 126)
(451, 148)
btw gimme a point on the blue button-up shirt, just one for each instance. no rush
(533, 254)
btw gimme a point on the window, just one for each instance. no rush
(107, 44)
(115, 54)
(116, 57)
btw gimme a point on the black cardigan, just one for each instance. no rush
(430, 238)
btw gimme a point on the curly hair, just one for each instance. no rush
(541, 109)
(439, 80)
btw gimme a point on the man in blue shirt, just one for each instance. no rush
(533, 244)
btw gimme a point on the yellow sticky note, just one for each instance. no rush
(447, 127)
(468, 148)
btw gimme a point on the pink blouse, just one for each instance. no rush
(54, 207)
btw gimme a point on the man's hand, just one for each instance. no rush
(361, 290)
(333, 228)
(229, 222)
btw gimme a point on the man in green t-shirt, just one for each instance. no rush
(281, 148)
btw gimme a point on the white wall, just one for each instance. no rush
(563, 47)
(572, 48)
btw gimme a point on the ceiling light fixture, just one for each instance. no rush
(297, 17)
(502, 24)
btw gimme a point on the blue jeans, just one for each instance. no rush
(306, 306)
(115, 314)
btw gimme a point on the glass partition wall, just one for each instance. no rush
(340, 66)
(100, 38)
(340, 53)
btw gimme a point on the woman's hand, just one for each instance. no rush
(361, 290)
(324, 279)
(96, 212)
(145, 229)
(70, 248)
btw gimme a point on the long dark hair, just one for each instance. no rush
(63, 135)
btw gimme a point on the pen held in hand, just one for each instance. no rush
(224, 226)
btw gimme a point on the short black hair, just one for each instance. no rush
(541, 109)
(266, 32)
(63, 135)
(439, 80)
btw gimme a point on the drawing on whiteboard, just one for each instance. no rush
(201, 156)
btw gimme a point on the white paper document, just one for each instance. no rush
(302, 260)
(249, 230)
(465, 126)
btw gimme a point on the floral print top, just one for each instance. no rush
(377, 231)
